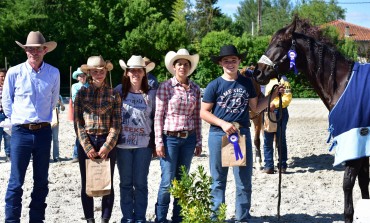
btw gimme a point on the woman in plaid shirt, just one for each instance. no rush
(177, 126)
(97, 122)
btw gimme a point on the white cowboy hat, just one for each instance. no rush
(136, 62)
(96, 62)
(36, 39)
(172, 56)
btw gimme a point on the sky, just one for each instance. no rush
(357, 11)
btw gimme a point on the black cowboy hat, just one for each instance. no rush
(228, 50)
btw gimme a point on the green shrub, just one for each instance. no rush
(194, 197)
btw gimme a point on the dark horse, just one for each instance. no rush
(329, 72)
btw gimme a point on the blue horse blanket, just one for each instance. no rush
(349, 120)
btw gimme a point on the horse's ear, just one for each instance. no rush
(291, 28)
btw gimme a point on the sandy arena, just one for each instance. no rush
(311, 189)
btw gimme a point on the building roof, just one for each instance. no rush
(356, 33)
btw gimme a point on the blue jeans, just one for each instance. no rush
(179, 152)
(4, 135)
(88, 202)
(75, 149)
(242, 176)
(24, 144)
(269, 141)
(133, 168)
(55, 133)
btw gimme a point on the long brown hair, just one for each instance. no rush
(126, 84)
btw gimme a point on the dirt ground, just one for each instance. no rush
(311, 189)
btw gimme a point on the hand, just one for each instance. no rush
(103, 152)
(228, 128)
(92, 154)
(279, 89)
(198, 151)
(160, 152)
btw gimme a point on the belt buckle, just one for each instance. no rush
(186, 134)
(34, 126)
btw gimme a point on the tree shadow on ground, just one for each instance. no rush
(299, 218)
(293, 218)
(315, 163)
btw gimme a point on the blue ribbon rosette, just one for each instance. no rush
(292, 55)
(234, 139)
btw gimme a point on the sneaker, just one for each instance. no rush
(74, 160)
(56, 160)
(268, 171)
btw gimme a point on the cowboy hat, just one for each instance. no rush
(36, 39)
(147, 60)
(136, 62)
(172, 56)
(228, 50)
(76, 73)
(96, 62)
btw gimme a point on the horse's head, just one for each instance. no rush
(276, 61)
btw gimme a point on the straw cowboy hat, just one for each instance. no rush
(148, 61)
(136, 62)
(96, 62)
(36, 39)
(227, 50)
(172, 56)
(76, 73)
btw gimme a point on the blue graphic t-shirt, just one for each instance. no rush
(230, 99)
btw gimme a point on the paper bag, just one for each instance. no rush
(268, 125)
(98, 177)
(55, 119)
(228, 157)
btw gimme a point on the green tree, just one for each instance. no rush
(275, 15)
(319, 11)
(225, 22)
(210, 45)
(200, 19)
(246, 14)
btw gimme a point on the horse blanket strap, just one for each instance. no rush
(349, 120)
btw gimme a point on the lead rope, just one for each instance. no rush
(280, 127)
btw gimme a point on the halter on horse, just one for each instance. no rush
(329, 72)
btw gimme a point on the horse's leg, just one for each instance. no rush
(257, 122)
(363, 178)
(350, 174)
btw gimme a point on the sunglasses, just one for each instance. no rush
(34, 49)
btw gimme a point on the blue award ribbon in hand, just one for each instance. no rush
(234, 139)
(292, 55)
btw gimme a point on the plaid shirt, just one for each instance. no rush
(177, 110)
(97, 111)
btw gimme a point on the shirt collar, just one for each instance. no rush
(30, 69)
(175, 82)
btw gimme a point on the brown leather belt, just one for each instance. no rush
(179, 134)
(35, 126)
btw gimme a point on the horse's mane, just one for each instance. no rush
(304, 26)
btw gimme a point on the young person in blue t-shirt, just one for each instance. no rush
(226, 101)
